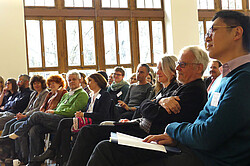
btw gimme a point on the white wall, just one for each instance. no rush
(181, 18)
(12, 39)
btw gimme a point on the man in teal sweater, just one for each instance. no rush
(221, 133)
(40, 123)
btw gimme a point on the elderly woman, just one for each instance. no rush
(96, 112)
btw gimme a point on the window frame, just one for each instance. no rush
(97, 14)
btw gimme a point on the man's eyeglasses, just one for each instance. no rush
(117, 74)
(184, 64)
(211, 30)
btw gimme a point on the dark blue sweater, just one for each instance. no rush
(221, 133)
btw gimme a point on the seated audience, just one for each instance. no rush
(37, 97)
(96, 112)
(214, 73)
(221, 133)
(18, 103)
(136, 94)
(158, 113)
(40, 122)
(119, 87)
(133, 79)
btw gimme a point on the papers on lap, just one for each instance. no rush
(124, 139)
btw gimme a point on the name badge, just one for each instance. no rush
(119, 94)
(215, 99)
(159, 96)
(71, 93)
(98, 96)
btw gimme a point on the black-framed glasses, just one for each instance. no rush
(117, 74)
(211, 30)
(184, 64)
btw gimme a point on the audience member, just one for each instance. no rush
(8, 93)
(1, 84)
(150, 79)
(45, 122)
(84, 83)
(133, 79)
(96, 112)
(111, 79)
(64, 75)
(119, 87)
(38, 85)
(136, 94)
(221, 133)
(17, 104)
(214, 73)
(158, 113)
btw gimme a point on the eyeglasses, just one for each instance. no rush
(212, 29)
(117, 74)
(184, 64)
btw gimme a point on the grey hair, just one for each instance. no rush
(74, 72)
(200, 55)
(169, 62)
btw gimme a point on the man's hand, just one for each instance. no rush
(171, 104)
(50, 111)
(79, 114)
(20, 116)
(123, 105)
(162, 139)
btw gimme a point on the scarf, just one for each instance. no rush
(115, 86)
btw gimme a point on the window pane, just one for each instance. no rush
(201, 34)
(140, 3)
(45, 74)
(238, 4)
(78, 3)
(49, 3)
(123, 3)
(87, 3)
(205, 4)
(148, 4)
(144, 41)
(68, 3)
(72, 32)
(109, 42)
(88, 42)
(29, 2)
(39, 2)
(157, 40)
(105, 3)
(208, 25)
(128, 73)
(87, 72)
(115, 3)
(157, 3)
(34, 43)
(50, 43)
(124, 42)
(232, 4)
